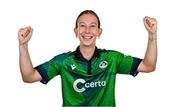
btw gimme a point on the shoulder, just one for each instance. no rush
(63, 56)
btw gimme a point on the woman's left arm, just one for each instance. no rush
(148, 64)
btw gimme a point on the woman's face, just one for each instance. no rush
(87, 30)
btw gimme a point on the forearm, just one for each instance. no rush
(25, 63)
(150, 57)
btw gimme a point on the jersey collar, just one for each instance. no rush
(80, 57)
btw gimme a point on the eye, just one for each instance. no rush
(92, 25)
(82, 26)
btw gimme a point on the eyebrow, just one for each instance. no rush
(94, 23)
(81, 23)
(90, 23)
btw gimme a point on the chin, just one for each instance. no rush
(88, 44)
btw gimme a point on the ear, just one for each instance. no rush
(76, 32)
(100, 32)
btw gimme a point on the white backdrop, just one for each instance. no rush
(123, 30)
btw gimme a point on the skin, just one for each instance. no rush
(87, 33)
(29, 74)
(148, 64)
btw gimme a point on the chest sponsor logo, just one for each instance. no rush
(85, 85)
(103, 64)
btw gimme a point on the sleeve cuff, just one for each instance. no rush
(43, 73)
(135, 64)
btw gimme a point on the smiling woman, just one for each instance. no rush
(87, 30)
(88, 74)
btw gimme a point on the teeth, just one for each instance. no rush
(87, 37)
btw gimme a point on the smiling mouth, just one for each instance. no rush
(87, 37)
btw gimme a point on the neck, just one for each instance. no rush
(87, 52)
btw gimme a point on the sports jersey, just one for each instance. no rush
(88, 82)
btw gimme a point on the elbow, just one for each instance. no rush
(150, 69)
(153, 69)
(28, 77)
(27, 80)
(147, 67)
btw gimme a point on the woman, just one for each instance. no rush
(88, 74)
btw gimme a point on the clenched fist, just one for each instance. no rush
(150, 24)
(24, 35)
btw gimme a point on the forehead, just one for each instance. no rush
(88, 18)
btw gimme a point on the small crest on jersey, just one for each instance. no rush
(103, 64)
(73, 66)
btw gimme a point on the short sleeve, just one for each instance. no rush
(50, 69)
(127, 64)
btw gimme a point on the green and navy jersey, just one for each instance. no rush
(92, 82)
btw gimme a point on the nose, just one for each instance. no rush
(87, 30)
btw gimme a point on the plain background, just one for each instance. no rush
(123, 30)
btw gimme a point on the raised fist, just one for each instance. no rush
(150, 24)
(24, 35)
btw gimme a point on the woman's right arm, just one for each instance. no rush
(29, 74)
